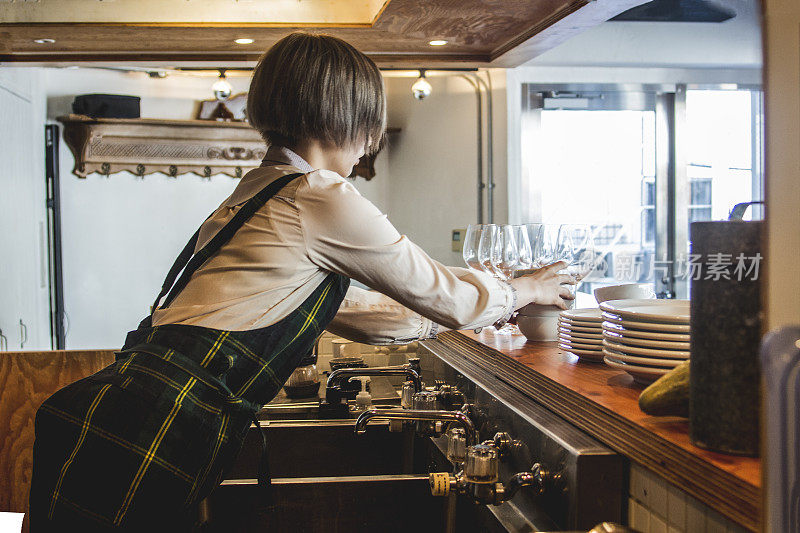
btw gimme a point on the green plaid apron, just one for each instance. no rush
(140, 443)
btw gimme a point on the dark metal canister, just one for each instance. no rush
(727, 262)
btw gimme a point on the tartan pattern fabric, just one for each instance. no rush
(142, 441)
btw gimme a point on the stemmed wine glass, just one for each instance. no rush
(524, 249)
(493, 249)
(576, 248)
(505, 254)
(546, 250)
(472, 240)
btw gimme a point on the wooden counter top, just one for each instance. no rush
(604, 402)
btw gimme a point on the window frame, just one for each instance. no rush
(672, 184)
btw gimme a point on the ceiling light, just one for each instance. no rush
(421, 88)
(437, 42)
(44, 41)
(244, 40)
(222, 89)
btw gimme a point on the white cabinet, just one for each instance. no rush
(24, 300)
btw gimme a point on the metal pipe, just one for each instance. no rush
(489, 148)
(410, 414)
(337, 377)
(481, 185)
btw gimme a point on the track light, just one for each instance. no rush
(222, 89)
(421, 88)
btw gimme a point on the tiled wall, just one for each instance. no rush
(655, 506)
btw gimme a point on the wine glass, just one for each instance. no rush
(524, 248)
(505, 260)
(576, 248)
(486, 245)
(533, 232)
(505, 254)
(472, 240)
(546, 249)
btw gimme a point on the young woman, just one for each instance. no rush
(140, 443)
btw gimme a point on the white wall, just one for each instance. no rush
(433, 160)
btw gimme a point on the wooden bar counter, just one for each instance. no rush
(604, 402)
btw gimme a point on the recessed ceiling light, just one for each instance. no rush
(44, 41)
(437, 42)
(244, 40)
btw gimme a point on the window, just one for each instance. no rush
(604, 156)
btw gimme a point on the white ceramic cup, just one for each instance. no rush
(539, 328)
(539, 310)
(627, 291)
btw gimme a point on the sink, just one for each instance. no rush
(324, 448)
(325, 478)
(282, 407)
(387, 503)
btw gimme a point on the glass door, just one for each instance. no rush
(589, 157)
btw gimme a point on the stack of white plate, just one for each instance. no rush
(645, 338)
(580, 331)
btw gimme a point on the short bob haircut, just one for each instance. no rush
(313, 86)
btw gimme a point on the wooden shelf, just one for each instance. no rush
(144, 146)
(172, 147)
(604, 403)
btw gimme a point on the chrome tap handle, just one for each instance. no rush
(416, 415)
(536, 478)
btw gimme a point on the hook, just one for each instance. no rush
(140, 170)
(105, 168)
(173, 171)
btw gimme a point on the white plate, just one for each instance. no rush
(641, 374)
(578, 349)
(646, 361)
(590, 345)
(584, 355)
(644, 343)
(647, 352)
(579, 334)
(671, 311)
(593, 326)
(647, 326)
(584, 323)
(590, 314)
(641, 334)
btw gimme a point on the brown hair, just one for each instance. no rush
(312, 86)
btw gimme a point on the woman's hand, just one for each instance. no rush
(544, 286)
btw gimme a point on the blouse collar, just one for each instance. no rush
(284, 156)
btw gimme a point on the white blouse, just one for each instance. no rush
(317, 224)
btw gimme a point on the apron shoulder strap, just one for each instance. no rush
(189, 262)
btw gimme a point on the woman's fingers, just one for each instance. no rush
(561, 304)
(568, 279)
(566, 294)
(558, 265)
